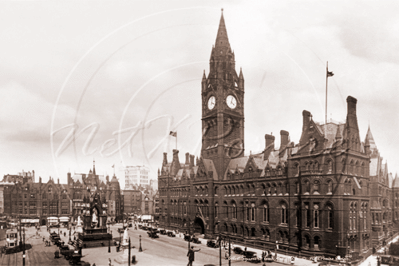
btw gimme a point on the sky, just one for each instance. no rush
(106, 81)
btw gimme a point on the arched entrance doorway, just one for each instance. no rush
(43, 221)
(199, 226)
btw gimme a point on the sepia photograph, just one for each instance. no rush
(199, 132)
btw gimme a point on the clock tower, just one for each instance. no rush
(222, 105)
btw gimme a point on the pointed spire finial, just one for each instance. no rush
(94, 167)
(221, 38)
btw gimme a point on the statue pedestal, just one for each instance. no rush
(124, 258)
(79, 229)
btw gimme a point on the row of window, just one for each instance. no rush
(250, 212)
(354, 213)
(279, 188)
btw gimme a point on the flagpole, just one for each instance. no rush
(326, 91)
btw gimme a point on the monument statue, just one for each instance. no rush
(94, 220)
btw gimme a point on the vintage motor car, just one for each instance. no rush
(152, 229)
(251, 256)
(152, 234)
(67, 253)
(212, 243)
(171, 234)
(187, 237)
(162, 232)
(238, 250)
(195, 240)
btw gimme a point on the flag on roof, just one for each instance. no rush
(173, 133)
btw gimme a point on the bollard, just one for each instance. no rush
(134, 259)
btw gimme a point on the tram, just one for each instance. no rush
(11, 238)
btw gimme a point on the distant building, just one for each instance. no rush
(80, 186)
(141, 200)
(20, 196)
(136, 176)
(154, 184)
(148, 202)
(156, 206)
(22, 177)
(132, 200)
(3, 185)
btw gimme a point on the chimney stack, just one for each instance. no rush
(187, 159)
(269, 146)
(165, 159)
(351, 105)
(284, 136)
(306, 119)
(192, 158)
(175, 162)
(269, 141)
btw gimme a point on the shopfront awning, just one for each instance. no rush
(64, 219)
(146, 217)
(52, 219)
(29, 221)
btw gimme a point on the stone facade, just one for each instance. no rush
(132, 199)
(52, 199)
(316, 196)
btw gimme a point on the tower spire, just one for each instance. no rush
(221, 38)
(94, 167)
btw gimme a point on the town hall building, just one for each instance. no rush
(313, 197)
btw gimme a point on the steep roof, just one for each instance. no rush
(390, 180)
(114, 179)
(236, 164)
(331, 131)
(209, 166)
(77, 177)
(375, 204)
(396, 181)
(374, 163)
(370, 139)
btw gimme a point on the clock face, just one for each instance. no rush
(231, 101)
(211, 102)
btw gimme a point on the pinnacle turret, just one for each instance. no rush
(241, 77)
(370, 140)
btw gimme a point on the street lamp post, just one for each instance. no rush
(140, 249)
(109, 240)
(128, 259)
(220, 249)
(23, 251)
(189, 234)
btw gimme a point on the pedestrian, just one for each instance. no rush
(109, 262)
(190, 255)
